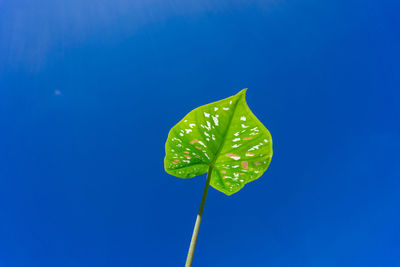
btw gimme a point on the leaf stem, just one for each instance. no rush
(192, 246)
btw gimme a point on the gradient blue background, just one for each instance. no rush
(90, 89)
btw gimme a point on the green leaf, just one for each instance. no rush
(224, 135)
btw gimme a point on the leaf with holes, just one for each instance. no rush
(224, 135)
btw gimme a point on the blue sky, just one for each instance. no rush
(90, 89)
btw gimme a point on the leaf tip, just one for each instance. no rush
(243, 92)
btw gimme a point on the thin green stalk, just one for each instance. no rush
(189, 258)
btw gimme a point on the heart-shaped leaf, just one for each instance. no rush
(224, 135)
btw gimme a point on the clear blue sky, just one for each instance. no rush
(90, 89)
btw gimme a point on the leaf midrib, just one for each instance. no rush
(225, 133)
